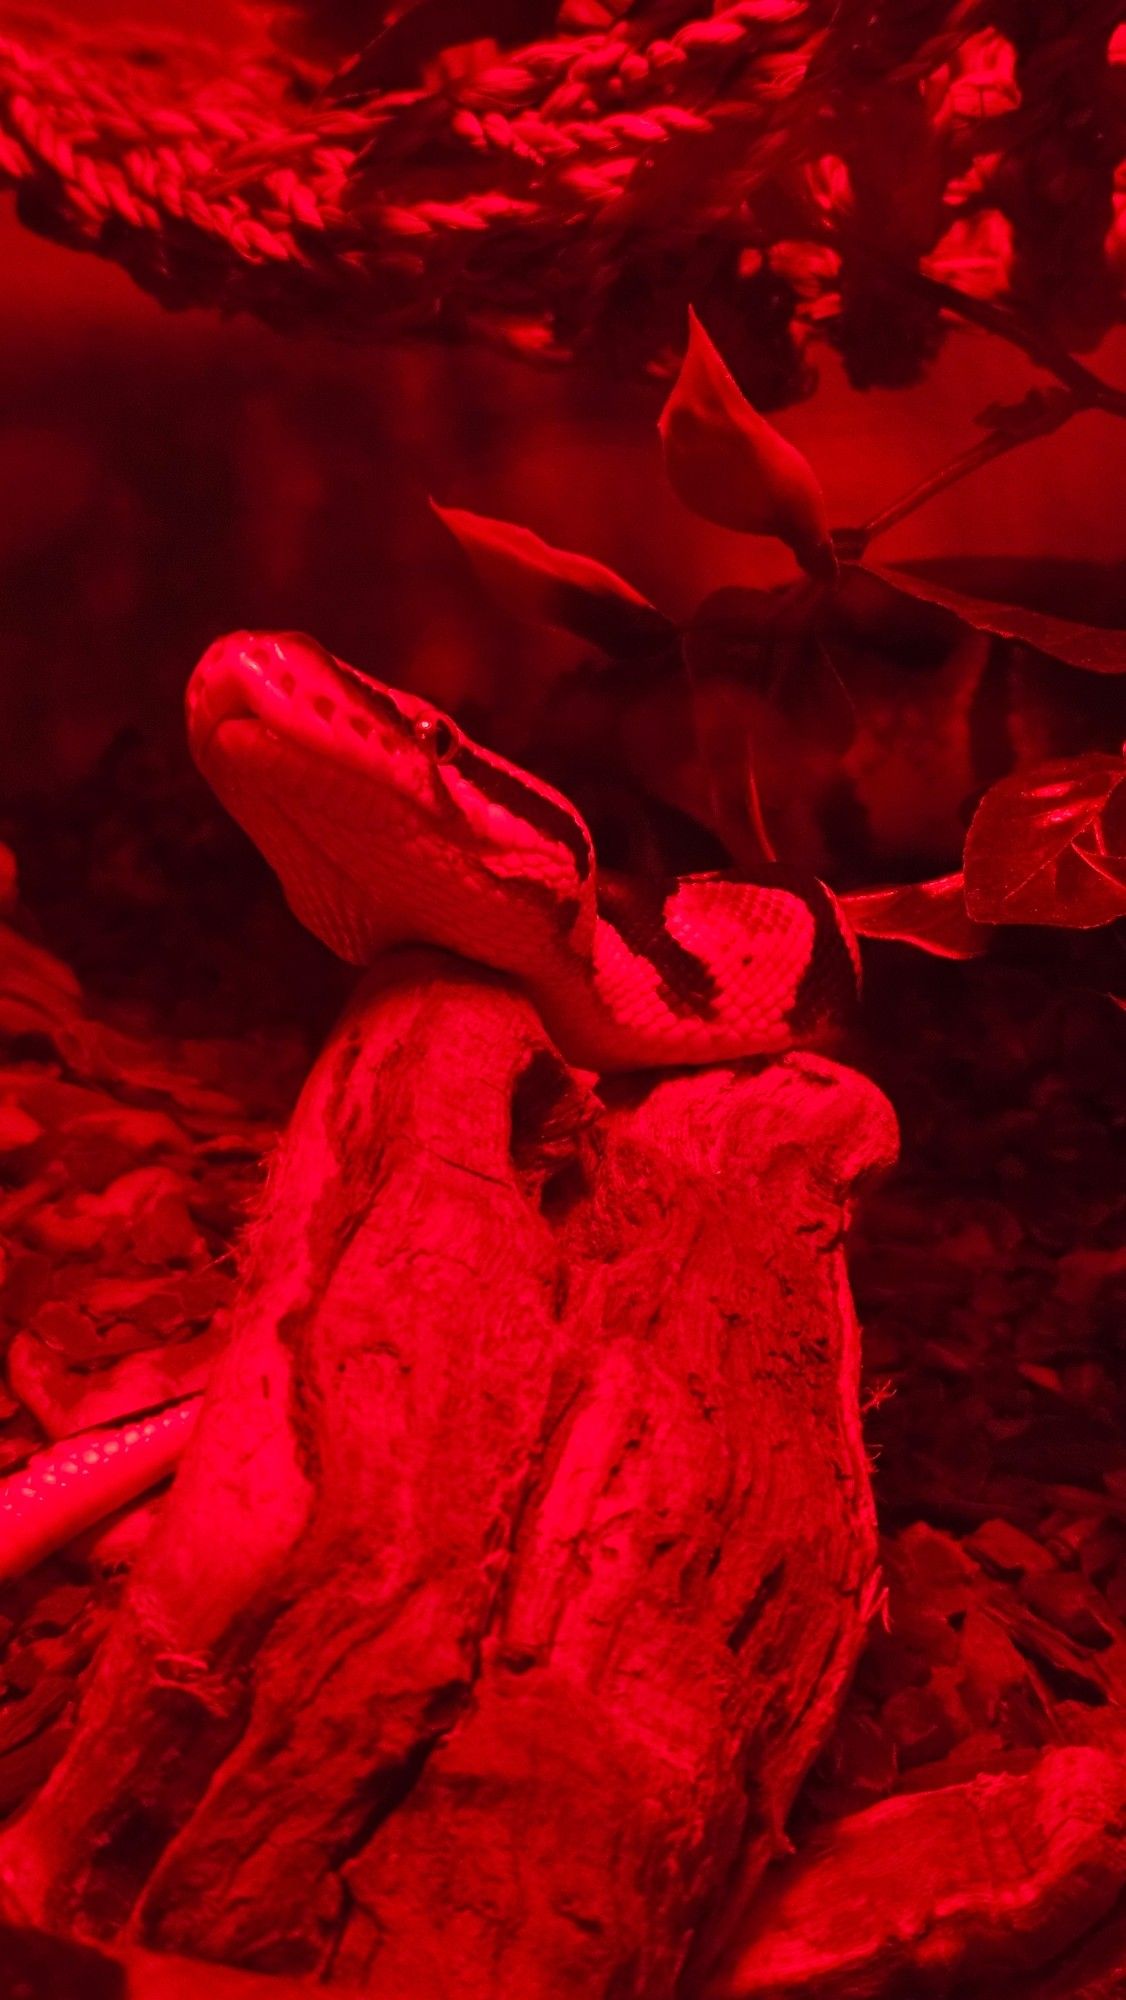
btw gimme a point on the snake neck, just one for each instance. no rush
(570, 989)
(607, 1009)
(707, 968)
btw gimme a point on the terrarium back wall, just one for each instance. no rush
(168, 477)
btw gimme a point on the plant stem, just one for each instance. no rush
(1039, 419)
(1085, 391)
(1088, 389)
(850, 543)
(757, 819)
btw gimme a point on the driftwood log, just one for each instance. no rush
(954, 1891)
(979, 1891)
(524, 1547)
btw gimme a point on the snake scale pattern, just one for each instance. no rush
(387, 825)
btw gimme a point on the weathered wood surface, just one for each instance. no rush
(947, 1892)
(35, 1965)
(525, 1545)
(977, 1891)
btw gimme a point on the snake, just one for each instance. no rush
(387, 825)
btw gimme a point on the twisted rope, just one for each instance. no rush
(570, 192)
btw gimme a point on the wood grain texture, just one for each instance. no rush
(943, 1892)
(524, 1546)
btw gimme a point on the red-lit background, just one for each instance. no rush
(164, 478)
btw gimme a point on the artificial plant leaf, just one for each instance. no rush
(556, 586)
(1030, 599)
(1048, 846)
(931, 915)
(728, 464)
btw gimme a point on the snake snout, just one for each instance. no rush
(242, 676)
(250, 659)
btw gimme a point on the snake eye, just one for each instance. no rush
(437, 735)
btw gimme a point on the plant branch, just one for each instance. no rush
(1088, 389)
(1037, 417)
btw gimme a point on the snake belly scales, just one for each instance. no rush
(386, 825)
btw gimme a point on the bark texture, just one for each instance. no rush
(524, 1546)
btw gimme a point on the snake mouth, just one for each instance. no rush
(239, 725)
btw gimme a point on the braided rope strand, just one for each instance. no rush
(514, 198)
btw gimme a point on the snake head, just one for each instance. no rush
(383, 820)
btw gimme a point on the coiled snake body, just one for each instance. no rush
(386, 825)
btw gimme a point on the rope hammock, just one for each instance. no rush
(790, 166)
